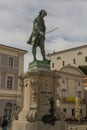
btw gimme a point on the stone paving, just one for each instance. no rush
(77, 127)
(9, 128)
(68, 127)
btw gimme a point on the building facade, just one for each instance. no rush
(71, 86)
(74, 56)
(11, 66)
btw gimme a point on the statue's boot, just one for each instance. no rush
(35, 59)
(44, 59)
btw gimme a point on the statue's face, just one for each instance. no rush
(44, 13)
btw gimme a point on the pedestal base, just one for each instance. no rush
(39, 65)
(24, 125)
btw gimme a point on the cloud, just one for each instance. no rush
(16, 21)
(61, 44)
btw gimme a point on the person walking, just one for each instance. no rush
(4, 123)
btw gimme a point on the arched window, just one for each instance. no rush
(8, 110)
(63, 93)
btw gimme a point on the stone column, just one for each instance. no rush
(26, 100)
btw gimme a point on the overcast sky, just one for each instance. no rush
(16, 20)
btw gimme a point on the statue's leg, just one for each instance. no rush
(42, 48)
(34, 51)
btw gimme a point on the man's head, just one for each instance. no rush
(43, 13)
(4, 116)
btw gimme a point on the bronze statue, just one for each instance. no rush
(51, 110)
(37, 37)
(50, 118)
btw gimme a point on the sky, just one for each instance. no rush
(69, 16)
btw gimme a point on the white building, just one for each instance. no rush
(11, 66)
(74, 56)
(71, 86)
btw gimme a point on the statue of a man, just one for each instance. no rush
(37, 37)
(51, 110)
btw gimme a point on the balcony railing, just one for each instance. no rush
(71, 100)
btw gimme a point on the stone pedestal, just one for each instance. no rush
(39, 85)
(24, 125)
(39, 65)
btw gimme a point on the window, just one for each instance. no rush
(81, 112)
(52, 65)
(65, 110)
(8, 110)
(73, 112)
(58, 58)
(9, 82)
(10, 62)
(85, 58)
(0, 58)
(63, 63)
(78, 83)
(63, 81)
(79, 94)
(74, 61)
(0, 80)
(63, 93)
(79, 53)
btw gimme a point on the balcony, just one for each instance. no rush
(71, 100)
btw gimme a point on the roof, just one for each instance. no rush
(14, 48)
(71, 49)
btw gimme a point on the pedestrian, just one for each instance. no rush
(4, 123)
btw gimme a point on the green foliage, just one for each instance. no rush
(84, 69)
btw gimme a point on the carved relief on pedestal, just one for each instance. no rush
(20, 85)
(25, 84)
(31, 115)
(34, 89)
(45, 93)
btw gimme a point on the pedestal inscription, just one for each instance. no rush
(45, 93)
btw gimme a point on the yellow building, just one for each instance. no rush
(11, 66)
